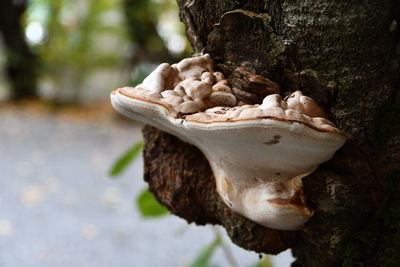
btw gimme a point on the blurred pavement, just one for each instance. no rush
(58, 207)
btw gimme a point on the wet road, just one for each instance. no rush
(58, 207)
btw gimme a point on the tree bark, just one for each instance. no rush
(21, 62)
(345, 55)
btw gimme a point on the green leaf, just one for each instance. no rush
(264, 262)
(148, 205)
(123, 161)
(203, 259)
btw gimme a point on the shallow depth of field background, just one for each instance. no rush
(59, 139)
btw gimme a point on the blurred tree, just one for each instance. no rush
(21, 62)
(80, 40)
(142, 17)
(81, 43)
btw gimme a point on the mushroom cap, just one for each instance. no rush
(255, 150)
(258, 153)
(290, 137)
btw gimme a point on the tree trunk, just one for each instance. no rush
(345, 55)
(21, 62)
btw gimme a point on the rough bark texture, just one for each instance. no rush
(344, 54)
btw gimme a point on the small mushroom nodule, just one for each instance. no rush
(198, 105)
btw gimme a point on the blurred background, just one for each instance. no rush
(61, 144)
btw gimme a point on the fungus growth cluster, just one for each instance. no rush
(276, 143)
(187, 87)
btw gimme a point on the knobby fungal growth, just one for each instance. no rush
(259, 153)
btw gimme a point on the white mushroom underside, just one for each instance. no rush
(258, 153)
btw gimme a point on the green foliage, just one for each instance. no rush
(264, 262)
(83, 38)
(153, 26)
(76, 39)
(204, 257)
(123, 161)
(148, 206)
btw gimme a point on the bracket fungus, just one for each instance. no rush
(258, 153)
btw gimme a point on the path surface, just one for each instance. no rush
(59, 208)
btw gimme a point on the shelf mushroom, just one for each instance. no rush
(258, 153)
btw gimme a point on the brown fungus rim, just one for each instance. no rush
(288, 121)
